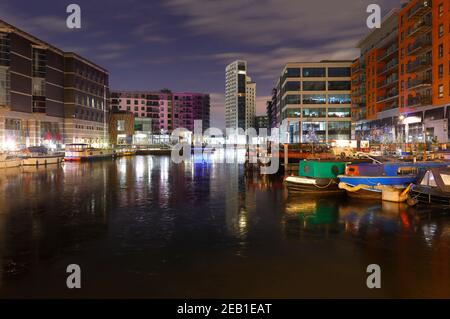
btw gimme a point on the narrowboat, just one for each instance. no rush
(369, 181)
(83, 152)
(433, 189)
(316, 177)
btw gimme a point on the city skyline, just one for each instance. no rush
(150, 46)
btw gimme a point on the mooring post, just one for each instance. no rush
(286, 156)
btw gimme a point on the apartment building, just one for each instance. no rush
(313, 101)
(240, 96)
(410, 64)
(166, 110)
(48, 96)
(375, 81)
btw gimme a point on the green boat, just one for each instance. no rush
(316, 177)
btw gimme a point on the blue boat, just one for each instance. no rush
(367, 180)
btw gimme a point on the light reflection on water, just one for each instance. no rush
(146, 227)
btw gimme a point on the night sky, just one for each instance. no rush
(184, 45)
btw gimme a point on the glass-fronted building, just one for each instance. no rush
(314, 102)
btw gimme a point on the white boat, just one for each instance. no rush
(83, 152)
(35, 156)
(7, 161)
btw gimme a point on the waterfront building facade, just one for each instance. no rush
(166, 110)
(313, 101)
(240, 96)
(121, 128)
(409, 61)
(48, 96)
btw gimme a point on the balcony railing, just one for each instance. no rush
(358, 79)
(419, 83)
(358, 68)
(388, 82)
(420, 45)
(420, 100)
(388, 96)
(392, 65)
(390, 51)
(420, 27)
(420, 64)
(422, 7)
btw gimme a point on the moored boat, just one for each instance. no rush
(383, 181)
(124, 152)
(316, 177)
(83, 152)
(35, 156)
(432, 189)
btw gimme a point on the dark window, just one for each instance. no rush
(292, 86)
(339, 72)
(293, 72)
(314, 86)
(293, 99)
(314, 72)
(339, 85)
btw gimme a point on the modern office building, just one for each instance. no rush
(48, 96)
(240, 96)
(313, 102)
(408, 59)
(166, 110)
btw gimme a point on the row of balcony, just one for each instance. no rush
(389, 52)
(420, 64)
(422, 7)
(419, 83)
(358, 68)
(420, 45)
(358, 80)
(391, 65)
(420, 27)
(388, 96)
(419, 100)
(392, 80)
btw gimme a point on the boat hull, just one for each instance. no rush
(371, 187)
(429, 196)
(42, 160)
(320, 186)
(72, 156)
(10, 163)
(378, 180)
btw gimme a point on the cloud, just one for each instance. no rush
(114, 46)
(268, 64)
(110, 55)
(271, 22)
(148, 33)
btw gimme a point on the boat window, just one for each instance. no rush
(407, 170)
(428, 180)
(446, 179)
